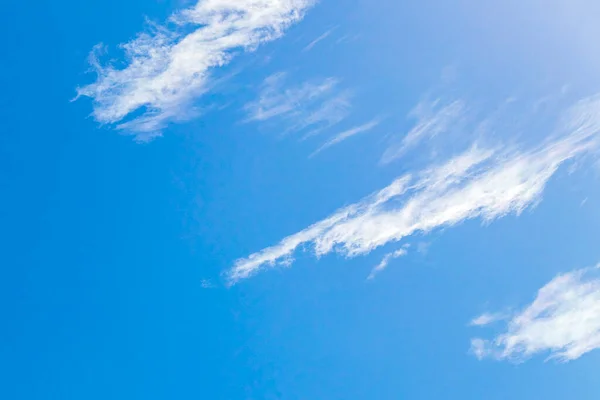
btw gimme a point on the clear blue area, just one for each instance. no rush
(104, 243)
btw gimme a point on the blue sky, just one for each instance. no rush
(291, 199)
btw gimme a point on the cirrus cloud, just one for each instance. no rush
(485, 183)
(563, 320)
(169, 67)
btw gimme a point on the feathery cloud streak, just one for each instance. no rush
(317, 40)
(340, 137)
(169, 67)
(479, 183)
(385, 262)
(315, 105)
(432, 119)
(563, 320)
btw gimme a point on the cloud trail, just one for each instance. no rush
(340, 137)
(479, 183)
(317, 40)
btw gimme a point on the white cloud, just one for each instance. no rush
(487, 319)
(317, 40)
(479, 183)
(316, 105)
(423, 248)
(348, 38)
(563, 320)
(340, 137)
(385, 261)
(478, 348)
(432, 119)
(207, 284)
(170, 66)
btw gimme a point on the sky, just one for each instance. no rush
(300, 199)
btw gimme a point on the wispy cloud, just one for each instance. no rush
(563, 320)
(487, 319)
(169, 67)
(432, 118)
(348, 38)
(479, 183)
(340, 137)
(317, 40)
(313, 105)
(207, 284)
(423, 248)
(386, 260)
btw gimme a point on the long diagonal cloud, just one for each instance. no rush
(480, 183)
(168, 68)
